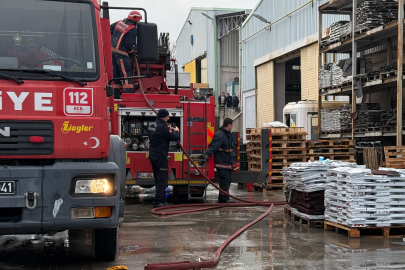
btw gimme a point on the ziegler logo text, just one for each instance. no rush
(66, 128)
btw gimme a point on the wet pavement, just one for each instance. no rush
(274, 243)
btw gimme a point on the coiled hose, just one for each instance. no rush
(162, 211)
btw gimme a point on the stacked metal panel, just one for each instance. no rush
(372, 14)
(357, 198)
(305, 176)
(305, 185)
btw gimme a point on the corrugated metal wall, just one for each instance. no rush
(297, 26)
(230, 50)
(204, 36)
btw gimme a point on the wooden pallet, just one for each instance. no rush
(287, 131)
(278, 166)
(367, 232)
(347, 158)
(385, 75)
(288, 151)
(302, 136)
(289, 144)
(254, 152)
(255, 159)
(254, 145)
(254, 166)
(330, 143)
(310, 223)
(251, 131)
(273, 186)
(395, 157)
(332, 151)
(289, 160)
(254, 138)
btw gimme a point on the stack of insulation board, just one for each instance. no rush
(356, 197)
(337, 150)
(372, 14)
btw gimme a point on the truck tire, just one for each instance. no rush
(105, 244)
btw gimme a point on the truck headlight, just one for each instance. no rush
(92, 186)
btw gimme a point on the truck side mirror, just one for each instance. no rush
(147, 42)
(110, 90)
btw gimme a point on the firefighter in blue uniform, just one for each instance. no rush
(221, 147)
(160, 135)
(122, 42)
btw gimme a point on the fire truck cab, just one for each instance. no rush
(61, 167)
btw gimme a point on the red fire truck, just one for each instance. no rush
(61, 169)
(132, 114)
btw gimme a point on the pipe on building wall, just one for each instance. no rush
(270, 24)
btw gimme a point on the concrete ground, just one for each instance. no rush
(274, 243)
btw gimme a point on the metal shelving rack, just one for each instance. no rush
(360, 42)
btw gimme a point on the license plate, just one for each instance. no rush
(7, 187)
(145, 175)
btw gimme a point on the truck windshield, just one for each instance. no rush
(52, 35)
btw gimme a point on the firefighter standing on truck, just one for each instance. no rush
(221, 147)
(122, 42)
(160, 135)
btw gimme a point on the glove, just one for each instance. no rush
(131, 55)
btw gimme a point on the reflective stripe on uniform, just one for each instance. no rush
(223, 166)
(123, 70)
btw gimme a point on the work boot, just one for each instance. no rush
(159, 205)
(167, 204)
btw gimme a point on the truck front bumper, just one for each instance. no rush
(53, 184)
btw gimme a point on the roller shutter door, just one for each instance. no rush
(265, 93)
(309, 72)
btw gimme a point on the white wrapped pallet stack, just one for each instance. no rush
(356, 198)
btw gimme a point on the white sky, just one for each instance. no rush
(170, 15)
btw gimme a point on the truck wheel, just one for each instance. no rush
(105, 244)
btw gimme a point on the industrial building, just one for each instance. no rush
(208, 47)
(279, 54)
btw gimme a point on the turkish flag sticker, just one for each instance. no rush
(78, 101)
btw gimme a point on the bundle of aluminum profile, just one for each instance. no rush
(337, 30)
(372, 14)
(332, 75)
(336, 120)
(356, 197)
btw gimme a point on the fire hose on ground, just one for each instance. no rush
(162, 211)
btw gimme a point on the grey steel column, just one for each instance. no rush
(354, 60)
(400, 69)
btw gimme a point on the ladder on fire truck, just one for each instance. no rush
(196, 150)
